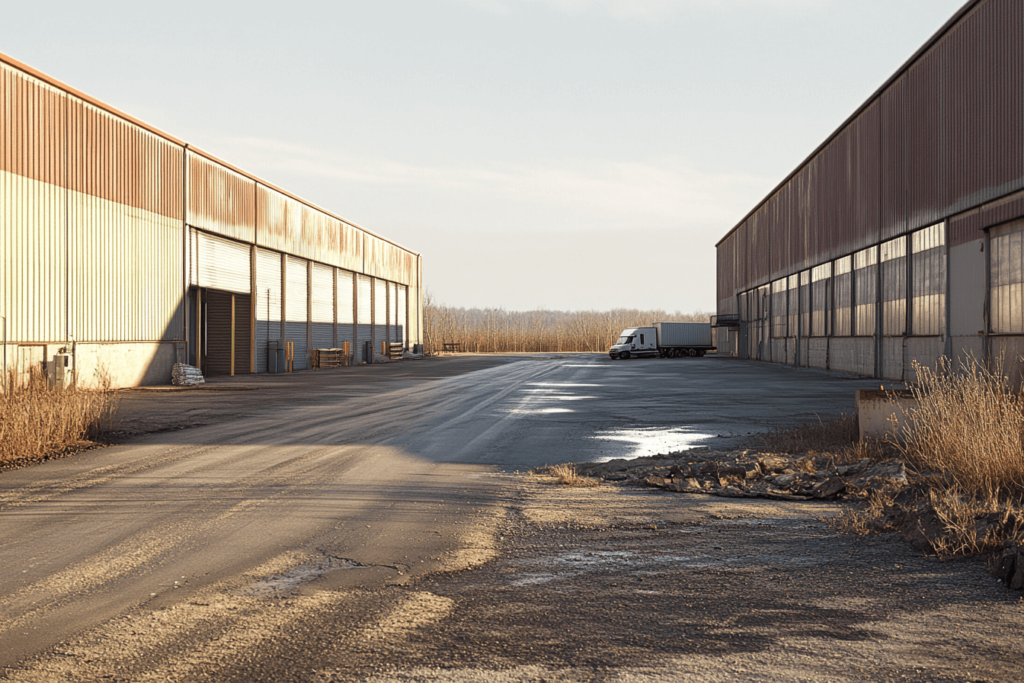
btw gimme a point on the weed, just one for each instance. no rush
(40, 421)
(567, 475)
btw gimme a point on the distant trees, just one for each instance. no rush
(495, 330)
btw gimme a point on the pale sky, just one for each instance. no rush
(564, 154)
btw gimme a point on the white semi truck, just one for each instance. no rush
(668, 340)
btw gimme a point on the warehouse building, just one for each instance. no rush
(900, 238)
(125, 250)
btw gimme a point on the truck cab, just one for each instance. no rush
(635, 341)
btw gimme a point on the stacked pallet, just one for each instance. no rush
(330, 358)
(183, 375)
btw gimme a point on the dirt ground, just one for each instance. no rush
(601, 584)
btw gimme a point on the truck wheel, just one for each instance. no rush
(624, 355)
(693, 352)
(700, 353)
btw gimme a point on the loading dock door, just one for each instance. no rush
(226, 333)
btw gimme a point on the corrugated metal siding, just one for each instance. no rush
(32, 209)
(402, 314)
(364, 298)
(220, 200)
(117, 161)
(346, 298)
(296, 291)
(380, 313)
(323, 306)
(268, 303)
(385, 260)
(943, 137)
(125, 190)
(221, 263)
(279, 222)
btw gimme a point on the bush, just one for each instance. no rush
(39, 421)
(969, 425)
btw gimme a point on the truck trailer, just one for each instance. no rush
(667, 340)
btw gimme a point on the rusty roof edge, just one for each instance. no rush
(260, 181)
(936, 37)
(60, 85)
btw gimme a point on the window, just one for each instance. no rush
(820, 277)
(928, 285)
(641, 339)
(805, 303)
(894, 287)
(1006, 258)
(842, 280)
(865, 270)
(794, 304)
(779, 308)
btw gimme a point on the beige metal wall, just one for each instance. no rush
(32, 208)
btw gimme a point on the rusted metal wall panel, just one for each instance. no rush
(117, 161)
(982, 122)
(278, 222)
(385, 260)
(893, 161)
(725, 276)
(926, 189)
(220, 200)
(33, 209)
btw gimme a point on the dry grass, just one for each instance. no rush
(39, 421)
(566, 475)
(968, 424)
(835, 437)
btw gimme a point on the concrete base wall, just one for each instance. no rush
(926, 351)
(852, 354)
(1010, 352)
(778, 351)
(817, 353)
(127, 364)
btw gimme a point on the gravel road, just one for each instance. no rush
(365, 525)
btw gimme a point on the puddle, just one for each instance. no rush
(652, 441)
(542, 411)
(297, 576)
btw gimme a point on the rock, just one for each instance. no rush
(1004, 565)
(782, 495)
(856, 468)
(616, 477)
(783, 480)
(733, 491)
(829, 488)
(685, 486)
(751, 470)
(773, 463)
(890, 471)
(657, 481)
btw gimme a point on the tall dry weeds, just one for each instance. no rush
(39, 420)
(968, 424)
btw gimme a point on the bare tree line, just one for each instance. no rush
(496, 330)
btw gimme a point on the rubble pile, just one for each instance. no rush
(745, 474)
(183, 375)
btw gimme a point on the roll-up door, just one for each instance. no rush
(268, 303)
(295, 309)
(221, 263)
(346, 308)
(380, 313)
(393, 312)
(323, 306)
(403, 312)
(364, 330)
(226, 326)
